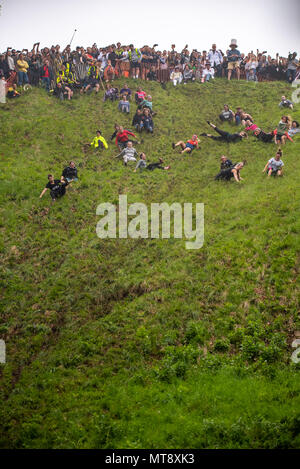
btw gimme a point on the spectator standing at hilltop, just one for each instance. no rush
(215, 58)
(233, 58)
(292, 67)
(22, 70)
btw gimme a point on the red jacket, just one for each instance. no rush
(123, 136)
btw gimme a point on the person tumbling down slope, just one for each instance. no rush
(274, 165)
(98, 142)
(57, 187)
(122, 137)
(231, 172)
(189, 146)
(129, 153)
(142, 164)
(225, 136)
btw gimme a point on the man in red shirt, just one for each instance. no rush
(122, 138)
(46, 75)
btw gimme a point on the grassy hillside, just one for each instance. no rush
(142, 343)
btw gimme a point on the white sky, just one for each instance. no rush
(272, 25)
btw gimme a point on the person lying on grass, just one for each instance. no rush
(233, 172)
(57, 187)
(70, 172)
(250, 127)
(225, 136)
(189, 146)
(274, 165)
(129, 153)
(263, 136)
(142, 164)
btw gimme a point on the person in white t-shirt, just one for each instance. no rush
(274, 165)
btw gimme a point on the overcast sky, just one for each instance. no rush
(272, 25)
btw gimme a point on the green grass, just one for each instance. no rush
(142, 343)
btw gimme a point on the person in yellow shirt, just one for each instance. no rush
(22, 70)
(98, 142)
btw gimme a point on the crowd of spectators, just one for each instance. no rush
(85, 68)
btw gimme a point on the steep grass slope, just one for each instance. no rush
(142, 343)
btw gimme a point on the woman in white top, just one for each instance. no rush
(274, 165)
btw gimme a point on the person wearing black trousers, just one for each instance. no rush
(225, 136)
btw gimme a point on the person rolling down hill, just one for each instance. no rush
(263, 136)
(142, 164)
(98, 143)
(233, 172)
(57, 187)
(225, 136)
(122, 137)
(225, 164)
(274, 165)
(70, 172)
(281, 132)
(189, 146)
(129, 153)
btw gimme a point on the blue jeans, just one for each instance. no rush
(69, 180)
(208, 77)
(124, 107)
(237, 120)
(291, 75)
(22, 78)
(46, 83)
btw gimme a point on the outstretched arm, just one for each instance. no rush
(236, 175)
(265, 168)
(43, 192)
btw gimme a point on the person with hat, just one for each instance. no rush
(233, 59)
